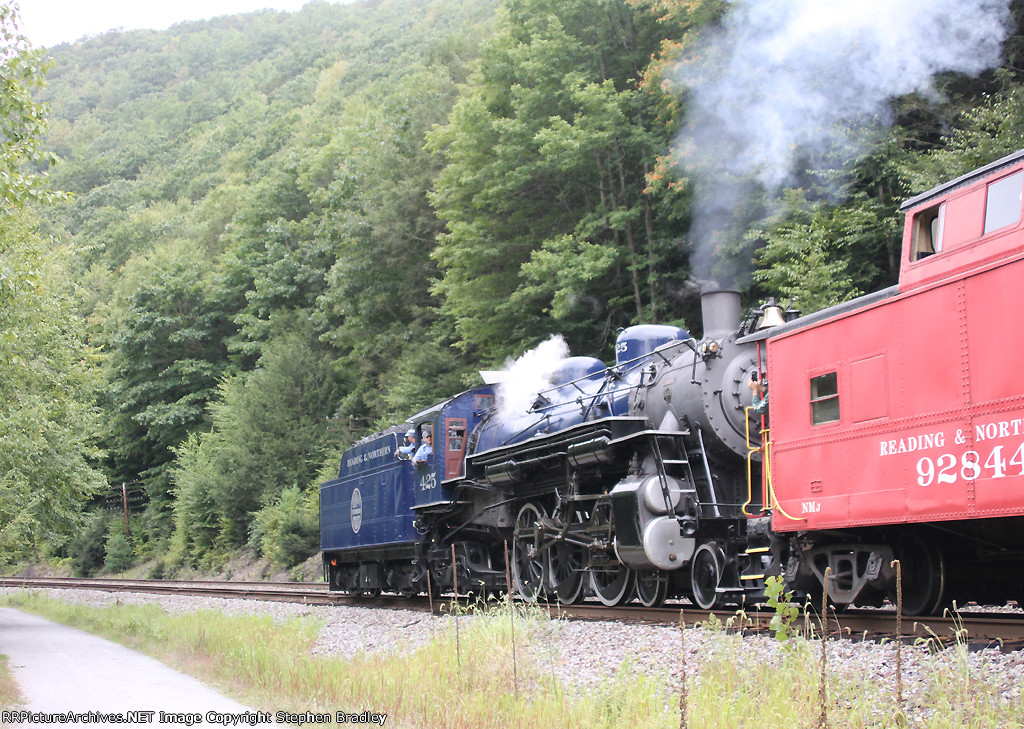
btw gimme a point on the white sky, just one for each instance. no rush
(51, 22)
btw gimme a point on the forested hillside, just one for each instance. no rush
(285, 230)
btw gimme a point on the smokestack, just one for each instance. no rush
(721, 311)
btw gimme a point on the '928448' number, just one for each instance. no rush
(947, 468)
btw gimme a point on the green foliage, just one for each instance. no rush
(269, 433)
(377, 309)
(287, 531)
(232, 177)
(47, 374)
(196, 520)
(983, 134)
(119, 553)
(47, 422)
(88, 547)
(547, 155)
(164, 331)
(801, 259)
(23, 122)
(786, 612)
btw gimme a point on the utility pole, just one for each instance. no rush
(124, 500)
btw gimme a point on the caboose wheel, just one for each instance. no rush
(612, 586)
(566, 564)
(706, 574)
(651, 587)
(528, 566)
(924, 575)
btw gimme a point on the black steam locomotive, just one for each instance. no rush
(641, 479)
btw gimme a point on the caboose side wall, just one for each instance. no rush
(930, 422)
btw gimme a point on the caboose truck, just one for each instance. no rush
(894, 430)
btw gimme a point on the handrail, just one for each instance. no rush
(751, 450)
(769, 501)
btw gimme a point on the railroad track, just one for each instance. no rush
(979, 629)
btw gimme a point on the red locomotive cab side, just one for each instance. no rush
(454, 447)
(907, 406)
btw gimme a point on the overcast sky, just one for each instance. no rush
(51, 22)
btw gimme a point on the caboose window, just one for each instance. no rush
(825, 398)
(928, 228)
(1002, 205)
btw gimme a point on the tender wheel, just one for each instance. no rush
(566, 567)
(706, 574)
(613, 586)
(924, 575)
(651, 588)
(528, 568)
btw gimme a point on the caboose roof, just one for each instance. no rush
(963, 180)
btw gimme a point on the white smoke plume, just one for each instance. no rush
(528, 375)
(795, 81)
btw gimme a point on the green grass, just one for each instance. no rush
(268, 665)
(10, 696)
(737, 686)
(474, 683)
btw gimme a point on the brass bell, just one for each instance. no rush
(771, 316)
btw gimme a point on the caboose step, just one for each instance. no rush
(757, 550)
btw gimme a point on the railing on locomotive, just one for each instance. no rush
(623, 367)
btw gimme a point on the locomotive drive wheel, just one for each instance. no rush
(613, 586)
(566, 565)
(706, 574)
(651, 587)
(529, 570)
(924, 575)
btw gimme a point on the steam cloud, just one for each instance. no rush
(787, 82)
(528, 375)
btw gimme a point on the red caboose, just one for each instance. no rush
(897, 419)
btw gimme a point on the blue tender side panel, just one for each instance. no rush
(370, 503)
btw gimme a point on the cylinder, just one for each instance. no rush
(503, 474)
(590, 452)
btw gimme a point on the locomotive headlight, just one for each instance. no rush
(710, 349)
